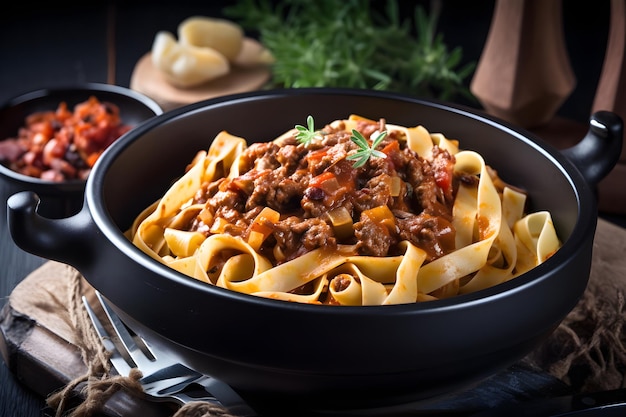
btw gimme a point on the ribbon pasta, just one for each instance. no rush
(494, 240)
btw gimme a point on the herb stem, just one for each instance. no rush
(366, 151)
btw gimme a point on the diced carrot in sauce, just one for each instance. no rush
(262, 226)
(381, 215)
(391, 147)
(317, 155)
(320, 179)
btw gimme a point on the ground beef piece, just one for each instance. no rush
(286, 238)
(431, 198)
(443, 166)
(380, 193)
(426, 195)
(414, 169)
(261, 186)
(286, 195)
(368, 128)
(315, 207)
(330, 156)
(206, 191)
(229, 198)
(260, 156)
(374, 239)
(296, 236)
(378, 166)
(363, 199)
(237, 224)
(199, 226)
(334, 138)
(289, 157)
(313, 202)
(433, 234)
(316, 234)
(276, 190)
(250, 215)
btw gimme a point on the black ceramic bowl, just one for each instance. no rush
(63, 198)
(282, 355)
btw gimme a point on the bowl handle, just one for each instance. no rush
(65, 240)
(598, 152)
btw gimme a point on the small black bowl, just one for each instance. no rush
(63, 198)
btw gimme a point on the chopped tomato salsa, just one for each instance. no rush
(61, 144)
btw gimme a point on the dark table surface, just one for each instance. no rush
(55, 44)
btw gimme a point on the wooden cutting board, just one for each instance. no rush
(39, 345)
(246, 74)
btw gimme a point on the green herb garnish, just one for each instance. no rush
(366, 151)
(356, 44)
(306, 134)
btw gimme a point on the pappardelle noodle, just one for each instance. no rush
(359, 212)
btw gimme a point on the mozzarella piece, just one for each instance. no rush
(222, 35)
(186, 65)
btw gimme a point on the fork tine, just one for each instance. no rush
(155, 371)
(178, 375)
(165, 380)
(117, 360)
(126, 339)
(178, 370)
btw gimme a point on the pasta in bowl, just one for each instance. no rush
(293, 358)
(296, 219)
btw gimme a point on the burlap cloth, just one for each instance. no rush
(587, 351)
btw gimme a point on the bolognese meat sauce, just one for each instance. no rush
(325, 201)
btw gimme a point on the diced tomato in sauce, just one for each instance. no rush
(60, 144)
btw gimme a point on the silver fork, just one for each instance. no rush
(164, 379)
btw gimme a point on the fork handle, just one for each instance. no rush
(227, 396)
(239, 408)
(184, 398)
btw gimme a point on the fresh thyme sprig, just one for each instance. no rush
(306, 134)
(366, 151)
